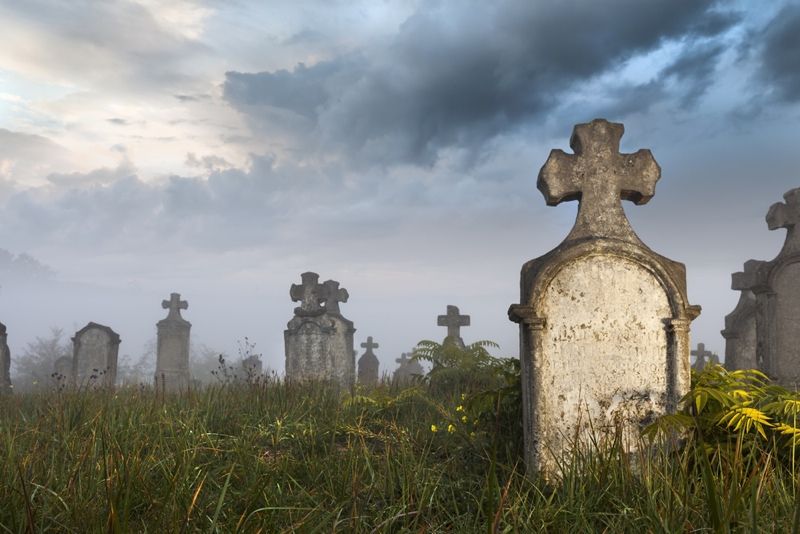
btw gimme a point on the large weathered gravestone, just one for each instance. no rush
(453, 321)
(318, 339)
(368, 364)
(94, 356)
(604, 321)
(703, 357)
(5, 361)
(408, 369)
(740, 324)
(172, 346)
(776, 286)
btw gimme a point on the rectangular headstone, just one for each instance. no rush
(95, 349)
(172, 347)
(604, 321)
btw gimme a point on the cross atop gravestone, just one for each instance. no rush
(598, 175)
(309, 293)
(701, 354)
(369, 345)
(787, 215)
(174, 305)
(403, 359)
(453, 321)
(333, 295)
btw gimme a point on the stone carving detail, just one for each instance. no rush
(95, 349)
(453, 321)
(318, 339)
(604, 321)
(172, 347)
(368, 364)
(407, 370)
(5, 362)
(704, 357)
(763, 329)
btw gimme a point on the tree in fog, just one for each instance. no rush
(34, 368)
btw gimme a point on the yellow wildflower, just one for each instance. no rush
(459, 408)
(451, 428)
(464, 419)
(434, 428)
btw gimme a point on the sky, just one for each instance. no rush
(219, 149)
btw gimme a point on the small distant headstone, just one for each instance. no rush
(63, 372)
(776, 287)
(95, 349)
(252, 366)
(5, 361)
(740, 324)
(453, 320)
(368, 364)
(408, 369)
(172, 347)
(604, 321)
(703, 357)
(318, 339)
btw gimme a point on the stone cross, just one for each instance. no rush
(453, 321)
(308, 293)
(750, 278)
(369, 345)
(174, 305)
(701, 353)
(333, 295)
(598, 175)
(403, 359)
(787, 215)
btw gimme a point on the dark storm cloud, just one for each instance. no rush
(780, 54)
(454, 77)
(694, 70)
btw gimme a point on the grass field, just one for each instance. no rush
(274, 457)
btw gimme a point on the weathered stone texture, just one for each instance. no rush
(604, 321)
(63, 372)
(172, 347)
(775, 286)
(5, 361)
(95, 349)
(318, 339)
(368, 364)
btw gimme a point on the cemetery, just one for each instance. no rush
(609, 404)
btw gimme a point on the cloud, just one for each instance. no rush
(693, 70)
(455, 77)
(780, 54)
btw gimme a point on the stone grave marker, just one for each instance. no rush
(368, 364)
(407, 370)
(776, 286)
(252, 367)
(62, 372)
(319, 339)
(95, 349)
(740, 324)
(453, 321)
(172, 347)
(703, 357)
(604, 321)
(5, 361)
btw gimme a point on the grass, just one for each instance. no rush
(277, 457)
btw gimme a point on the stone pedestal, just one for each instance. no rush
(318, 339)
(172, 347)
(95, 349)
(5, 362)
(604, 321)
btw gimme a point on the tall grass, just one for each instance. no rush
(274, 457)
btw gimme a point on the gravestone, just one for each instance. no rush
(703, 357)
(63, 372)
(318, 339)
(604, 321)
(95, 349)
(408, 369)
(252, 366)
(776, 287)
(368, 364)
(5, 361)
(453, 321)
(172, 347)
(740, 324)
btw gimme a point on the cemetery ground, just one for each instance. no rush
(441, 455)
